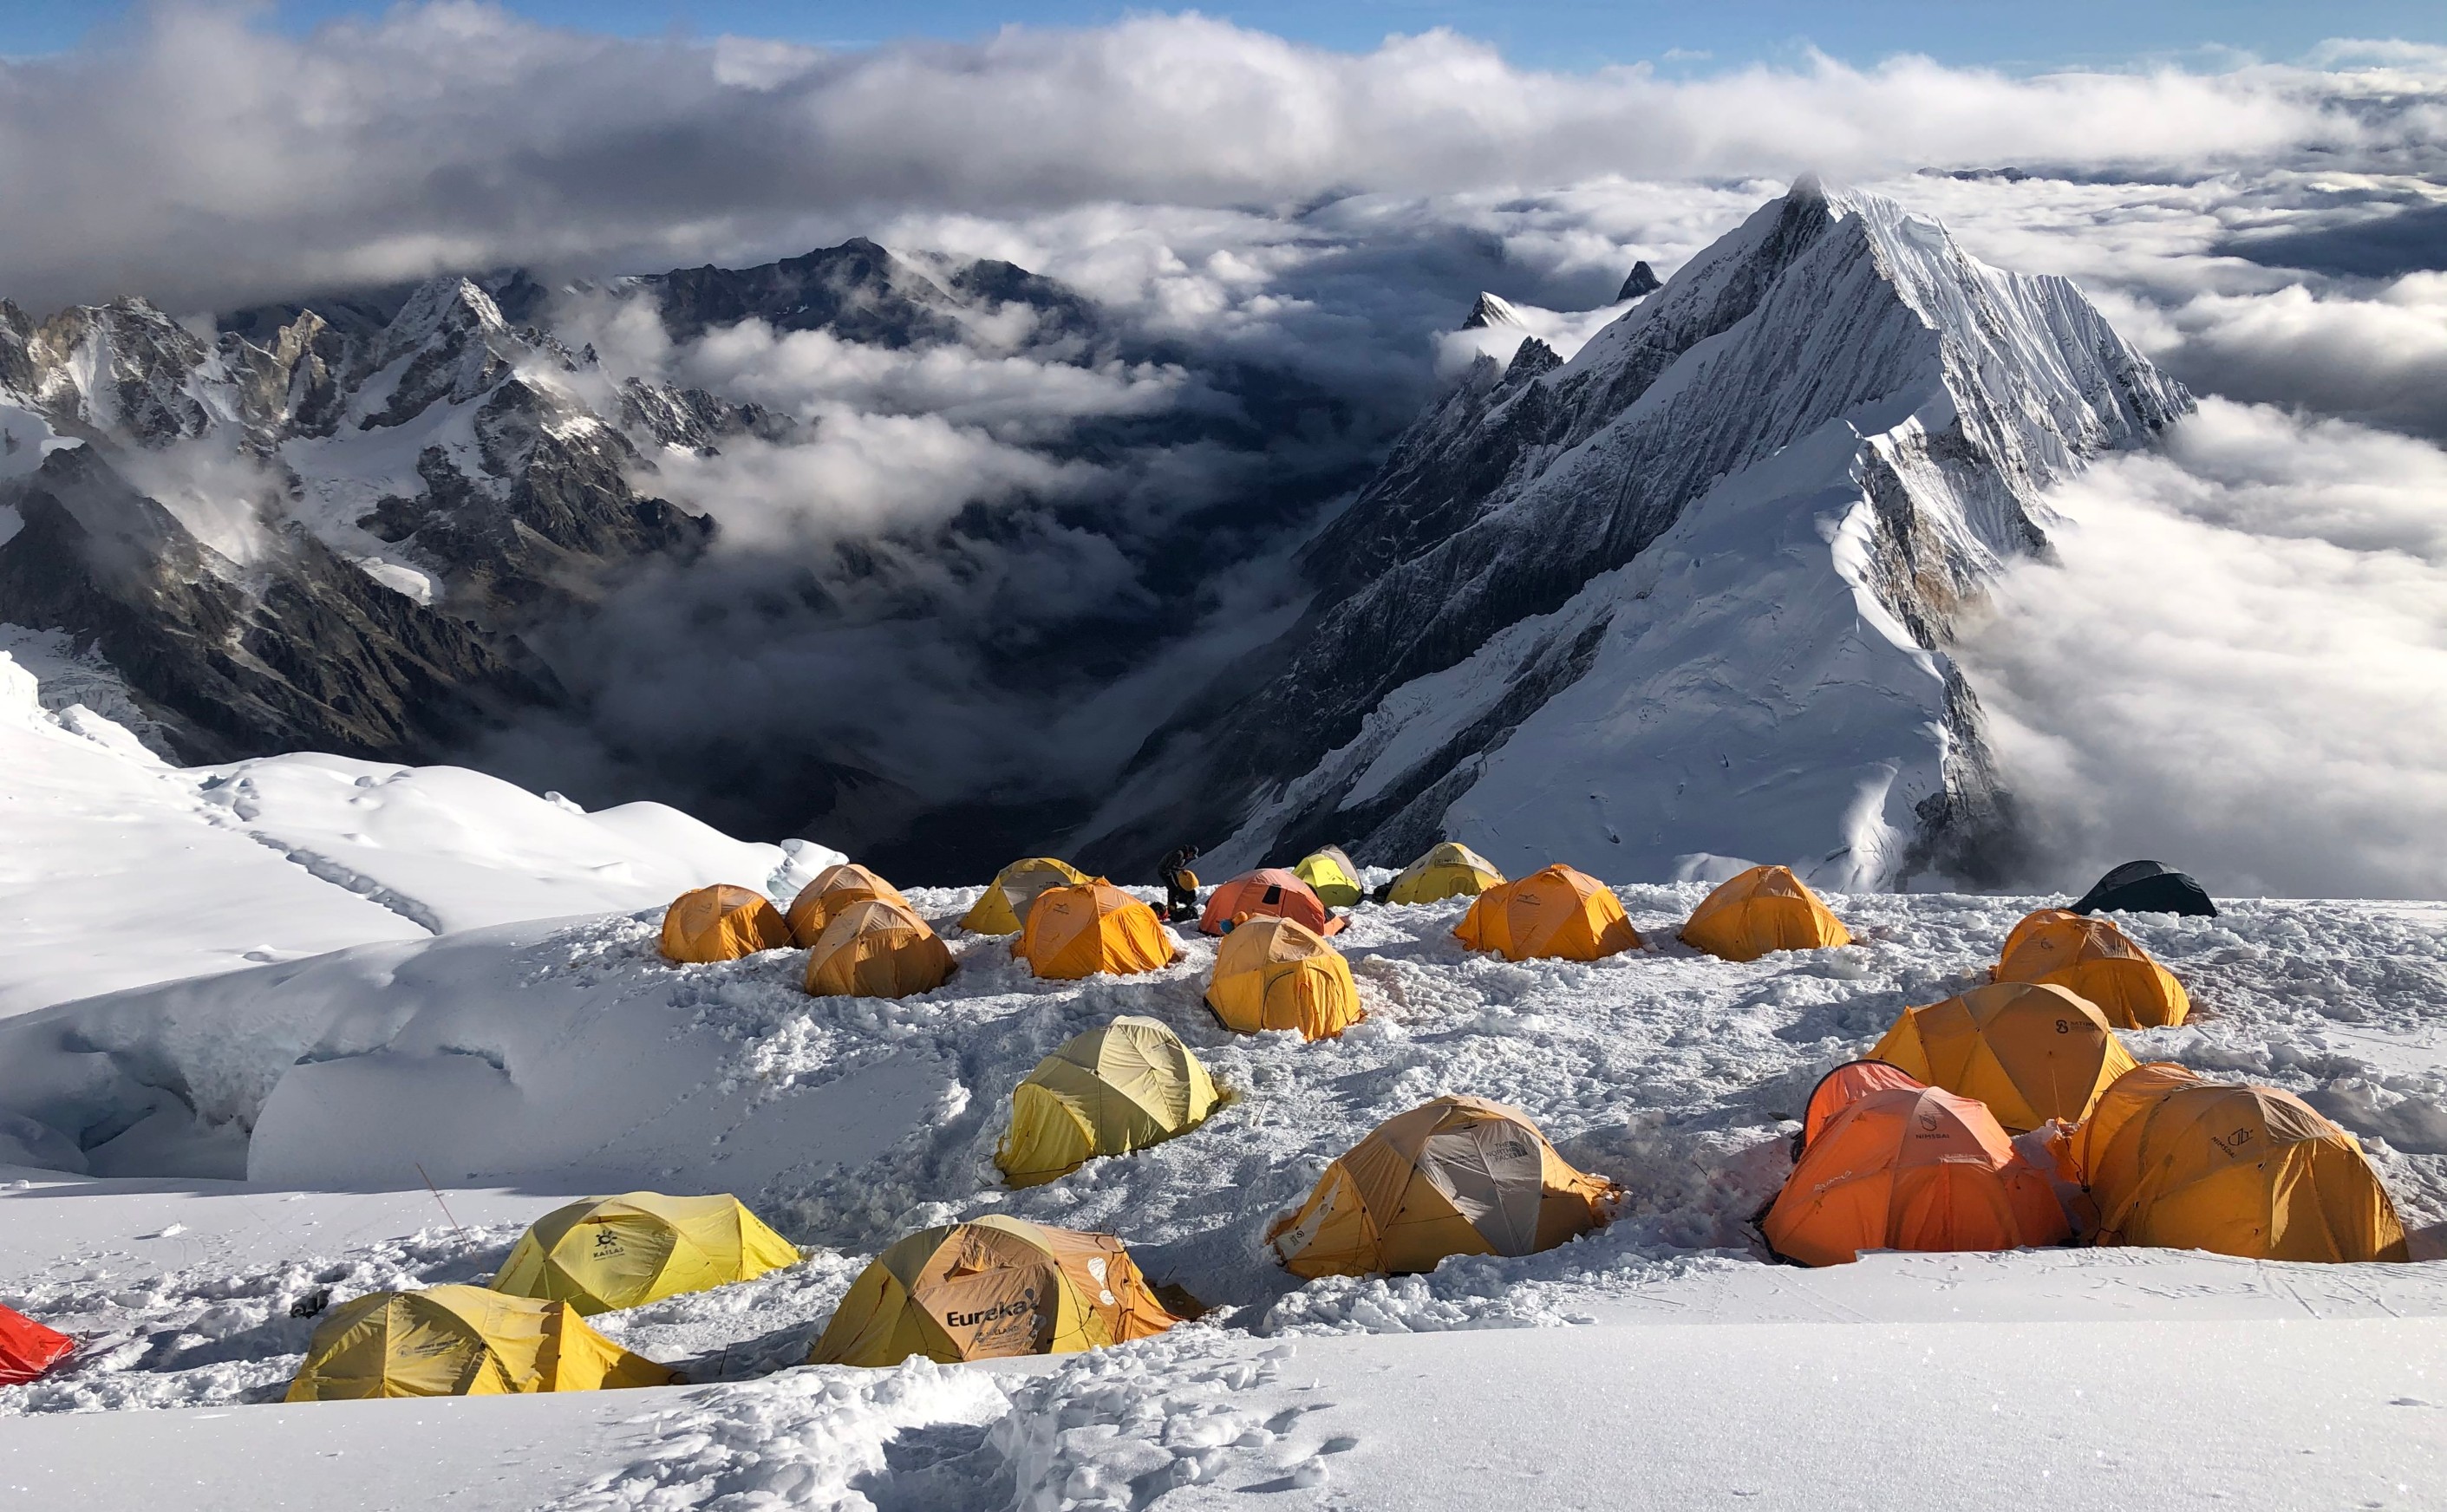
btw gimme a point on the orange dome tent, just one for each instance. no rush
(1277, 973)
(1764, 909)
(1843, 1086)
(28, 1349)
(1004, 906)
(834, 889)
(1911, 1169)
(988, 1290)
(876, 948)
(1269, 893)
(2031, 1052)
(722, 923)
(2091, 958)
(2176, 1160)
(1075, 932)
(1456, 1176)
(1558, 912)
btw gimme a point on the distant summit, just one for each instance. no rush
(1493, 310)
(1643, 280)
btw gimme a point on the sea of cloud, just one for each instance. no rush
(2234, 627)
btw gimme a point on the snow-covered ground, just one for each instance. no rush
(1662, 1358)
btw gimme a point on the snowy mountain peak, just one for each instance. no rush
(1492, 309)
(1641, 280)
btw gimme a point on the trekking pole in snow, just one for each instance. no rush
(445, 1206)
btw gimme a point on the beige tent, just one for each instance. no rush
(834, 889)
(876, 948)
(1109, 1092)
(1004, 907)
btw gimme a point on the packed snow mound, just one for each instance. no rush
(121, 869)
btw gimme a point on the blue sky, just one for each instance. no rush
(1545, 33)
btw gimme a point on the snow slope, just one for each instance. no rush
(121, 870)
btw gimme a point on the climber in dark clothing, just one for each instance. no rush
(1179, 884)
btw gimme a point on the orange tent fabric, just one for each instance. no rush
(1075, 932)
(2092, 957)
(834, 889)
(1764, 909)
(1272, 893)
(1558, 912)
(876, 948)
(28, 1349)
(2176, 1161)
(1846, 1085)
(1456, 1176)
(1907, 1169)
(722, 923)
(2031, 1051)
(1279, 973)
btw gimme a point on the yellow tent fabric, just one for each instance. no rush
(2093, 958)
(1449, 870)
(1075, 932)
(1108, 1092)
(1004, 906)
(1280, 973)
(460, 1341)
(1557, 912)
(722, 923)
(2176, 1160)
(616, 1252)
(2031, 1052)
(834, 889)
(876, 948)
(1456, 1176)
(988, 1290)
(1331, 876)
(1764, 909)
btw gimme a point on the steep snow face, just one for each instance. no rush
(1688, 593)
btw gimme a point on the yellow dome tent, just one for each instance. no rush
(460, 1341)
(1558, 913)
(2178, 1161)
(1764, 909)
(1075, 932)
(988, 1290)
(834, 889)
(722, 923)
(1280, 973)
(876, 948)
(1332, 876)
(1456, 1176)
(616, 1252)
(1108, 1092)
(1004, 907)
(2093, 959)
(1449, 870)
(2030, 1053)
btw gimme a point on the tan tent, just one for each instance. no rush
(1558, 912)
(876, 948)
(1279, 973)
(2030, 1053)
(834, 889)
(460, 1341)
(722, 923)
(1448, 870)
(1111, 1091)
(2176, 1160)
(614, 1251)
(1004, 907)
(1333, 876)
(1764, 909)
(988, 1290)
(1456, 1176)
(1911, 1168)
(1075, 932)
(2093, 959)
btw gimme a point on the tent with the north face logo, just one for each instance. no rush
(988, 1290)
(618, 1252)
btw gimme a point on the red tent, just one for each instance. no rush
(28, 1349)
(1271, 893)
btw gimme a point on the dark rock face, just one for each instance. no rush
(858, 292)
(302, 653)
(1643, 281)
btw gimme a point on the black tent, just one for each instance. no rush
(2146, 887)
